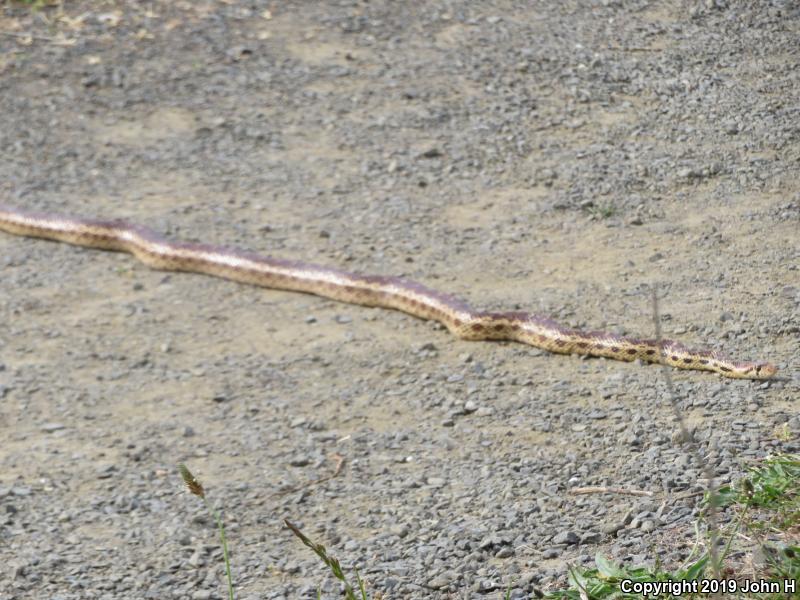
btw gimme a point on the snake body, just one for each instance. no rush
(370, 290)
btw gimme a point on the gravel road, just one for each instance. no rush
(558, 157)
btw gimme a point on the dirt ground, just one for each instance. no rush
(553, 157)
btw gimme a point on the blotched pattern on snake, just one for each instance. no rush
(370, 290)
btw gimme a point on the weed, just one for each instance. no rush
(772, 489)
(332, 563)
(606, 210)
(775, 485)
(195, 487)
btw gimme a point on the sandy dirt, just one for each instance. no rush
(558, 158)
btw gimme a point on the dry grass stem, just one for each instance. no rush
(609, 490)
(689, 439)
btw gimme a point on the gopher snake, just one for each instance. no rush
(387, 292)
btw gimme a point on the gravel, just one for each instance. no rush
(558, 158)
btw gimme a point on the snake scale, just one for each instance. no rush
(370, 290)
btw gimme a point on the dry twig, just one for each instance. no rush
(340, 460)
(609, 490)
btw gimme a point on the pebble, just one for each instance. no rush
(591, 538)
(566, 537)
(51, 427)
(441, 580)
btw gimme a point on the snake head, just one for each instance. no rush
(760, 370)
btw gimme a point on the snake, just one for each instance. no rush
(388, 292)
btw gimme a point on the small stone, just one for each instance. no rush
(292, 567)
(106, 471)
(196, 560)
(592, 537)
(470, 406)
(51, 427)
(612, 527)
(399, 530)
(566, 537)
(489, 541)
(187, 432)
(237, 53)
(18, 570)
(505, 552)
(390, 583)
(431, 153)
(442, 580)
(551, 553)
(300, 461)
(487, 585)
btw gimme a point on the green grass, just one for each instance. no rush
(605, 580)
(774, 487)
(766, 502)
(605, 210)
